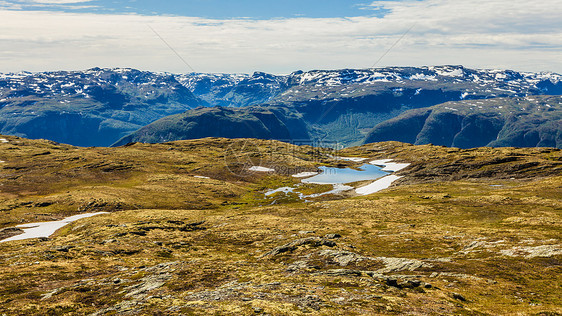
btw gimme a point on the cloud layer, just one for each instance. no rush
(511, 34)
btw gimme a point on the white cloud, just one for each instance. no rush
(506, 34)
(58, 1)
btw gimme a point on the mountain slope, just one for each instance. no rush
(521, 121)
(248, 122)
(234, 90)
(88, 108)
(342, 106)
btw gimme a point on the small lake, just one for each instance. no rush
(332, 175)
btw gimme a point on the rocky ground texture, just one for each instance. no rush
(470, 232)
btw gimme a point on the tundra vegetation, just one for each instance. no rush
(190, 231)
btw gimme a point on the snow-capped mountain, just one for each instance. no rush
(226, 89)
(92, 83)
(100, 106)
(88, 108)
(234, 90)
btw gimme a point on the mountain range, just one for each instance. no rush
(100, 107)
(88, 108)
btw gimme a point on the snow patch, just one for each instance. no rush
(283, 189)
(46, 229)
(305, 174)
(261, 169)
(3, 140)
(453, 73)
(338, 188)
(379, 185)
(354, 159)
(421, 76)
(389, 166)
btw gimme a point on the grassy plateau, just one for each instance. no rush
(190, 231)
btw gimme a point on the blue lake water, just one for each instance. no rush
(331, 175)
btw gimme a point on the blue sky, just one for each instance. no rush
(279, 36)
(214, 9)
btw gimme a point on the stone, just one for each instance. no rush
(459, 297)
(292, 246)
(343, 258)
(332, 236)
(10, 232)
(533, 252)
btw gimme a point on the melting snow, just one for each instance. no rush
(389, 166)
(283, 189)
(46, 229)
(454, 73)
(421, 76)
(354, 159)
(380, 184)
(261, 169)
(338, 188)
(305, 174)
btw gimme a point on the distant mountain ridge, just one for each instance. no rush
(97, 107)
(342, 106)
(534, 121)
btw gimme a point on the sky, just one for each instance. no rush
(280, 36)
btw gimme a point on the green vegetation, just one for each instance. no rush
(533, 121)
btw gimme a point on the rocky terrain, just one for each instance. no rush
(190, 231)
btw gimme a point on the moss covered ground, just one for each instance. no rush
(190, 232)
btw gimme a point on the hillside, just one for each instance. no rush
(189, 230)
(95, 107)
(534, 121)
(248, 122)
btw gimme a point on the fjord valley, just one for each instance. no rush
(191, 228)
(100, 107)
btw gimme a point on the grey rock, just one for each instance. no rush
(10, 232)
(401, 264)
(532, 252)
(292, 246)
(459, 297)
(343, 258)
(332, 236)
